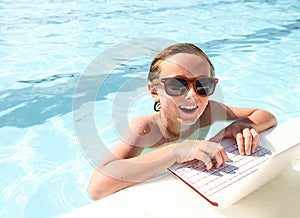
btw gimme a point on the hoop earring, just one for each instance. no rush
(157, 106)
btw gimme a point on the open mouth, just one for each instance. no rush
(188, 109)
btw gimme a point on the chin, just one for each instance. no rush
(189, 119)
(188, 122)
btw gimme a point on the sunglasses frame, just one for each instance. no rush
(189, 81)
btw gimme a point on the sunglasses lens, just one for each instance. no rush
(205, 86)
(175, 86)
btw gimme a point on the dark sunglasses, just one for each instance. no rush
(176, 86)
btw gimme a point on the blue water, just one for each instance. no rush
(46, 46)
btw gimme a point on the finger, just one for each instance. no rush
(240, 142)
(247, 140)
(216, 151)
(219, 160)
(255, 139)
(224, 155)
(206, 160)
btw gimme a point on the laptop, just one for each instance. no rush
(243, 174)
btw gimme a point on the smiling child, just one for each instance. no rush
(181, 80)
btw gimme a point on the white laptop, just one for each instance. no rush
(242, 174)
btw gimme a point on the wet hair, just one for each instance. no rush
(168, 52)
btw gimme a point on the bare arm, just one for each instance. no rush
(258, 119)
(248, 123)
(121, 172)
(124, 166)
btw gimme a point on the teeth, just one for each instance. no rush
(188, 107)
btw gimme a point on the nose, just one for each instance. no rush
(191, 92)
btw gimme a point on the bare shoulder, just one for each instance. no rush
(216, 105)
(220, 111)
(134, 138)
(141, 125)
(142, 131)
(226, 112)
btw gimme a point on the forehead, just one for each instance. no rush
(187, 65)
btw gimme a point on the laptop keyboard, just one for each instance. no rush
(212, 181)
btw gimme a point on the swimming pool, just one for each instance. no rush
(45, 46)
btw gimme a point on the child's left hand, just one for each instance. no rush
(246, 137)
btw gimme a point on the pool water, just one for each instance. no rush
(46, 46)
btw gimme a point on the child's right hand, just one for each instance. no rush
(204, 151)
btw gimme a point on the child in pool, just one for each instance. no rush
(181, 79)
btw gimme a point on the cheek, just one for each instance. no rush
(168, 103)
